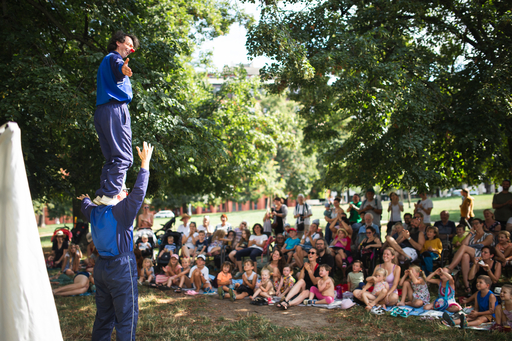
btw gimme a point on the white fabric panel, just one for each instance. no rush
(27, 306)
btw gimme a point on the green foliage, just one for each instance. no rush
(397, 93)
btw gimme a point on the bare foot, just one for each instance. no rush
(400, 303)
(384, 307)
(368, 308)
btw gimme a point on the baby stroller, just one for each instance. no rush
(152, 240)
(166, 227)
(166, 256)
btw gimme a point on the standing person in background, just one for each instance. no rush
(267, 223)
(145, 220)
(327, 215)
(302, 213)
(466, 209)
(353, 208)
(115, 272)
(425, 206)
(279, 214)
(371, 205)
(184, 227)
(502, 204)
(395, 208)
(112, 118)
(333, 220)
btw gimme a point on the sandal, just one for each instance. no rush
(164, 288)
(448, 319)
(284, 305)
(178, 291)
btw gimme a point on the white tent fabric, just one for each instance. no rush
(27, 306)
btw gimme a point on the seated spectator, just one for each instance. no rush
(238, 230)
(490, 224)
(188, 240)
(92, 253)
(334, 219)
(361, 233)
(170, 247)
(249, 278)
(201, 246)
(324, 253)
(148, 273)
(504, 248)
(200, 275)
(290, 245)
(206, 226)
(280, 241)
(307, 242)
(145, 220)
(341, 247)
(277, 262)
(485, 265)
(71, 262)
(446, 227)
(407, 221)
(224, 225)
(396, 231)
(355, 278)
(431, 250)
(255, 248)
(216, 244)
(242, 244)
(446, 290)
(80, 285)
(459, 237)
(59, 246)
(471, 248)
(366, 249)
(410, 242)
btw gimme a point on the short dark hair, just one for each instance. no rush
(407, 214)
(479, 220)
(257, 225)
(338, 199)
(120, 36)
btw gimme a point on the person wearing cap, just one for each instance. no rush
(184, 227)
(112, 118)
(200, 275)
(115, 272)
(372, 205)
(59, 245)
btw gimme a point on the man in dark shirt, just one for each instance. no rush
(323, 256)
(446, 227)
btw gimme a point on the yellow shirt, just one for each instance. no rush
(435, 244)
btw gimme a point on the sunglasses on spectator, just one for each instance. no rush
(312, 253)
(368, 232)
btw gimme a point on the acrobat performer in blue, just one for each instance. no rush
(111, 118)
(115, 272)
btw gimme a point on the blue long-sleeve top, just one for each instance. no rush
(112, 226)
(111, 83)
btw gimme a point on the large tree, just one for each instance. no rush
(397, 93)
(50, 54)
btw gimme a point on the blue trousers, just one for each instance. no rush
(427, 261)
(113, 125)
(249, 251)
(328, 234)
(117, 297)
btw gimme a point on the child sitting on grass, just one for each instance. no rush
(415, 290)
(503, 248)
(266, 288)
(446, 289)
(286, 282)
(249, 279)
(71, 261)
(147, 274)
(172, 270)
(225, 280)
(290, 245)
(380, 289)
(431, 249)
(200, 276)
(184, 279)
(504, 311)
(324, 290)
(483, 311)
(356, 277)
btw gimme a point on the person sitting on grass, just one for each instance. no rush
(172, 270)
(504, 311)
(485, 265)
(379, 292)
(446, 290)
(200, 276)
(92, 253)
(286, 282)
(309, 275)
(225, 280)
(148, 273)
(189, 241)
(290, 245)
(254, 249)
(71, 261)
(504, 248)
(483, 311)
(170, 247)
(80, 285)
(201, 244)
(355, 278)
(307, 242)
(280, 241)
(242, 244)
(249, 280)
(324, 290)
(184, 279)
(265, 288)
(415, 290)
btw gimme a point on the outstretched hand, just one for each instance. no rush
(83, 196)
(145, 154)
(125, 69)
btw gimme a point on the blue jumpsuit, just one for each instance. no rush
(113, 123)
(115, 272)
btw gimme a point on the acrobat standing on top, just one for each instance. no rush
(112, 119)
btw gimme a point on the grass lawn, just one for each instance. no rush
(169, 316)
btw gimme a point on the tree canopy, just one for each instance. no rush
(396, 93)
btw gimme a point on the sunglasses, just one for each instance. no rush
(312, 253)
(146, 207)
(368, 233)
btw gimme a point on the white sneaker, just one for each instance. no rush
(107, 201)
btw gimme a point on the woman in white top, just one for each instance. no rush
(189, 240)
(206, 225)
(395, 208)
(256, 243)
